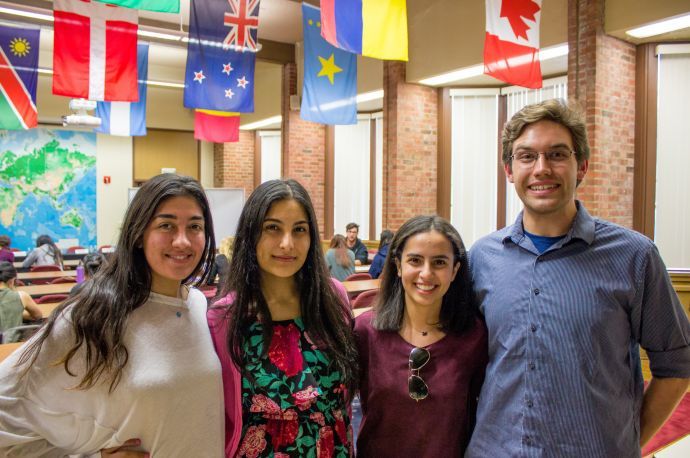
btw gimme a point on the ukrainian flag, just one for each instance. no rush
(372, 28)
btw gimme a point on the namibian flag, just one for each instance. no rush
(372, 28)
(18, 77)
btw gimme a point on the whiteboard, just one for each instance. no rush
(226, 206)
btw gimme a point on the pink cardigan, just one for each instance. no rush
(232, 381)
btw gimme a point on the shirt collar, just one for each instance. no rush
(582, 228)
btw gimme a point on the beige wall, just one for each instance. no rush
(113, 159)
(446, 35)
(267, 88)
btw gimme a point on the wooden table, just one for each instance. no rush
(68, 263)
(47, 309)
(357, 286)
(40, 275)
(42, 290)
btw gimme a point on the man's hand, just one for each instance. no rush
(660, 399)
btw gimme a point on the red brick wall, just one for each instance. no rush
(409, 147)
(233, 163)
(304, 147)
(601, 76)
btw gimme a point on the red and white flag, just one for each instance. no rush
(95, 51)
(511, 45)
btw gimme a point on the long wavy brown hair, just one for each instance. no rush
(98, 313)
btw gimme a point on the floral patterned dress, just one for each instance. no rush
(293, 401)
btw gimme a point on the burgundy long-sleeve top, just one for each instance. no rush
(394, 424)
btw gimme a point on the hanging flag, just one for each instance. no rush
(217, 77)
(372, 28)
(511, 45)
(127, 118)
(329, 89)
(95, 51)
(163, 6)
(243, 22)
(18, 77)
(216, 126)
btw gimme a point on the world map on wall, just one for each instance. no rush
(48, 186)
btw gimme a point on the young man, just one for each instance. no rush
(355, 245)
(567, 299)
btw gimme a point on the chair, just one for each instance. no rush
(51, 298)
(359, 276)
(365, 299)
(19, 333)
(105, 249)
(63, 280)
(73, 249)
(47, 268)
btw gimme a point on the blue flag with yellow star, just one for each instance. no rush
(330, 76)
(218, 76)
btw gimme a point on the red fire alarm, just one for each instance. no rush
(106, 180)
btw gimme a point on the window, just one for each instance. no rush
(352, 176)
(270, 155)
(474, 156)
(672, 211)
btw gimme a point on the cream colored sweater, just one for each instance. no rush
(170, 395)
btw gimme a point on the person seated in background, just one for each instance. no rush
(340, 260)
(5, 252)
(380, 256)
(91, 263)
(46, 253)
(355, 245)
(15, 306)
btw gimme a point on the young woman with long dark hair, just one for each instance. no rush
(130, 355)
(423, 348)
(284, 334)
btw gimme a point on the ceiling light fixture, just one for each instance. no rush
(27, 13)
(551, 52)
(657, 28)
(369, 96)
(262, 123)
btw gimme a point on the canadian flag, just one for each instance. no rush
(511, 45)
(95, 51)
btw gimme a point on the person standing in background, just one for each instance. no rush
(355, 244)
(380, 257)
(46, 253)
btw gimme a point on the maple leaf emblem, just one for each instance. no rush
(515, 11)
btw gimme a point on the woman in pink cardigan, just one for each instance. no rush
(284, 334)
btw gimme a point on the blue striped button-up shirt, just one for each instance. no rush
(564, 375)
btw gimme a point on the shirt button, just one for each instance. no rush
(527, 440)
(536, 291)
(531, 365)
(533, 328)
(529, 403)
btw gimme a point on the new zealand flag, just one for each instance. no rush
(217, 77)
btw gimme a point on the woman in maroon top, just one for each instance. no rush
(423, 349)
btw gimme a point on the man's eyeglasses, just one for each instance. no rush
(529, 158)
(415, 384)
